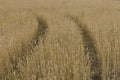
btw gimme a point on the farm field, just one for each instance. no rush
(59, 40)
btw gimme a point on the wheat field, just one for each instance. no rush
(59, 40)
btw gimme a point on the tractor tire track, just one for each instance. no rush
(21, 59)
(42, 30)
(39, 37)
(89, 49)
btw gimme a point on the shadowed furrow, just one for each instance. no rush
(38, 38)
(26, 51)
(89, 49)
(42, 30)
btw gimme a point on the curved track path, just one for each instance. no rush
(90, 50)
